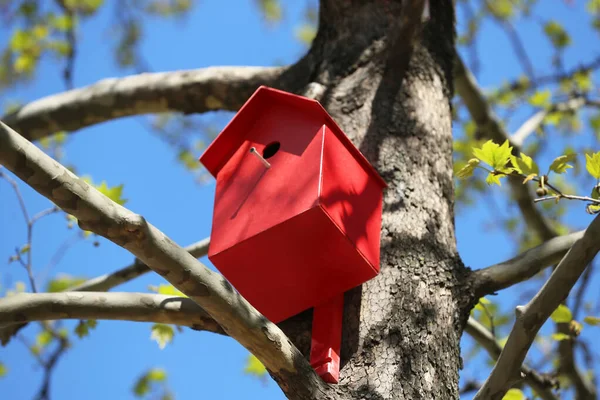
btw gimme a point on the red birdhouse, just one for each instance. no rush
(297, 214)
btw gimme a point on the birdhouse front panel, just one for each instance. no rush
(297, 209)
(251, 198)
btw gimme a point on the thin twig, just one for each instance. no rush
(568, 197)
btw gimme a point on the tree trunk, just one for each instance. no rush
(392, 98)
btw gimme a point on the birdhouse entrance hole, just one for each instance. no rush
(270, 150)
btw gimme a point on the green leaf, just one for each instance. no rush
(306, 33)
(480, 306)
(562, 314)
(271, 10)
(24, 249)
(188, 160)
(595, 321)
(583, 80)
(62, 23)
(44, 338)
(21, 40)
(592, 164)
(468, 169)
(40, 31)
(514, 394)
(493, 179)
(560, 336)
(167, 289)
(143, 384)
(162, 334)
(502, 9)
(114, 193)
(63, 282)
(255, 367)
(593, 6)
(494, 155)
(557, 34)
(3, 369)
(59, 46)
(560, 164)
(141, 387)
(541, 99)
(525, 165)
(553, 118)
(157, 375)
(83, 328)
(24, 63)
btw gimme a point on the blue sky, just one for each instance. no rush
(106, 363)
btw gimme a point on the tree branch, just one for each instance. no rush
(192, 91)
(140, 307)
(210, 290)
(106, 282)
(533, 315)
(524, 266)
(541, 384)
(535, 121)
(489, 124)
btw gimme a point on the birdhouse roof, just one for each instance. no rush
(232, 136)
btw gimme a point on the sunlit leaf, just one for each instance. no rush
(157, 375)
(592, 164)
(493, 154)
(595, 321)
(557, 34)
(514, 394)
(44, 338)
(306, 33)
(63, 282)
(83, 327)
(162, 334)
(114, 193)
(167, 289)
(525, 165)
(560, 164)
(24, 249)
(541, 99)
(468, 169)
(3, 369)
(493, 179)
(560, 336)
(255, 367)
(562, 314)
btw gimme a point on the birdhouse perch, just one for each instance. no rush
(297, 214)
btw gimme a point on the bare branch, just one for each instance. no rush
(533, 315)
(535, 121)
(106, 282)
(210, 290)
(192, 91)
(141, 307)
(489, 124)
(584, 388)
(538, 382)
(524, 266)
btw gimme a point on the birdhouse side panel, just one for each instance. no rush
(352, 197)
(251, 197)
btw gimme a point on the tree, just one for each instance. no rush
(386, 71)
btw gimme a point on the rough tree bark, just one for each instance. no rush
(391, 95)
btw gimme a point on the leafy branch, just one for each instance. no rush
(503, 163)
